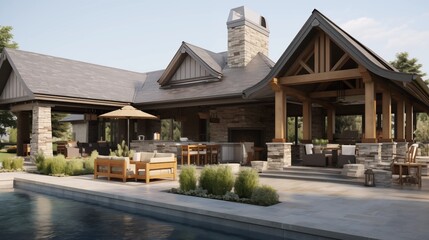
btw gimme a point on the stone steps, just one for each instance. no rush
(312, 174)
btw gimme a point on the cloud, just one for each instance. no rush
(388, 38)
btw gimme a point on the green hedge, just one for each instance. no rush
(246, 182)
(188, 178)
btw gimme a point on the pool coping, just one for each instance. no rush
(176, 211)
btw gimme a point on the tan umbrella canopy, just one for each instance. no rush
(128, 112)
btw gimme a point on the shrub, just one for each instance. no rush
(217, 180)
(46, 166)
(17, 163)
(208, 178)
(74, 167)
(224, 180)
(246, 182)
(40, 159)
(88, 163)
(58, 165)
(188, 178)
(265, 196)
(7, 163)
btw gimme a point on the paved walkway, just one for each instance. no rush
(328, 209)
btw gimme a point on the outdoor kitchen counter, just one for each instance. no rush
(230, 152)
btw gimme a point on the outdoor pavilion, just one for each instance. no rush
(325, 67)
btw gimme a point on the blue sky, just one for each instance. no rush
(144, 35)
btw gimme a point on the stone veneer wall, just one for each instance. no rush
(368, 154)
(42, 131)
(244, 43)
(258, 117)
(279, 156)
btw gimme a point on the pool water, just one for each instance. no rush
(28, 215)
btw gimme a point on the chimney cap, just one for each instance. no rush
(244, 16)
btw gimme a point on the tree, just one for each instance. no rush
(404, 64)
(6, 38)
(59, 129)
(7, 119)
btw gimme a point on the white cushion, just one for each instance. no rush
(348, 149)
(161, 159)
(309, 149)
(104, 157)
(156, 171)
(136, 156)
(146, 156)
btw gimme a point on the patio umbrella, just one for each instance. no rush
(128, 112)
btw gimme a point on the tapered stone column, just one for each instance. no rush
(41, 140)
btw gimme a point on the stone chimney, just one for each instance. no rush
(247, 35)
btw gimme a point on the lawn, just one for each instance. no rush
(4, 155)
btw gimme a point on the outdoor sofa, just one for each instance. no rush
(150, 165)
(145, 165)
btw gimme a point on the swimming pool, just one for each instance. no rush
(29, 215)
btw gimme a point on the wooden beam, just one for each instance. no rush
(327, 53)
(330, 129)
(300, 95)
(306, 67)
(280, 116)
(387, 116)
(305, 55)
(306, 120)
(347, 92)
(400, 118)
(275, 85)
(322, 52)
(341, 62)
(316, 54)
(321, 77)
(349, 84)
(409, 122)
(370, 110)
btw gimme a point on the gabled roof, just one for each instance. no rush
(53, 76)
(357, 51)
(212, 62)
(234, 80)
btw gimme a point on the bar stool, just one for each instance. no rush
(190, 151)
(202, 153)
(213, 153)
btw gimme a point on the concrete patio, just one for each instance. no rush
(307, 209)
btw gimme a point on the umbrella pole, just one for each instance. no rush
(128, 133)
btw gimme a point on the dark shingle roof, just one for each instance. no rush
(49, 75)
(233, 82)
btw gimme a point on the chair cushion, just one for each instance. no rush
(348, 150)
(161, 159)
(309, 149)
(156, 171)
(136, 156)
(146, 156)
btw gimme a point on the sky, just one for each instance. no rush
(143, 36)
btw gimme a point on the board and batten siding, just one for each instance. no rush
(14, 88)
(189, 69)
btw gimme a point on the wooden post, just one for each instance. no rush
(400, 120)
(387, 116)
(409, 122)
(306, 120)
(370, 108)
(280, 111)
(331, 124)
